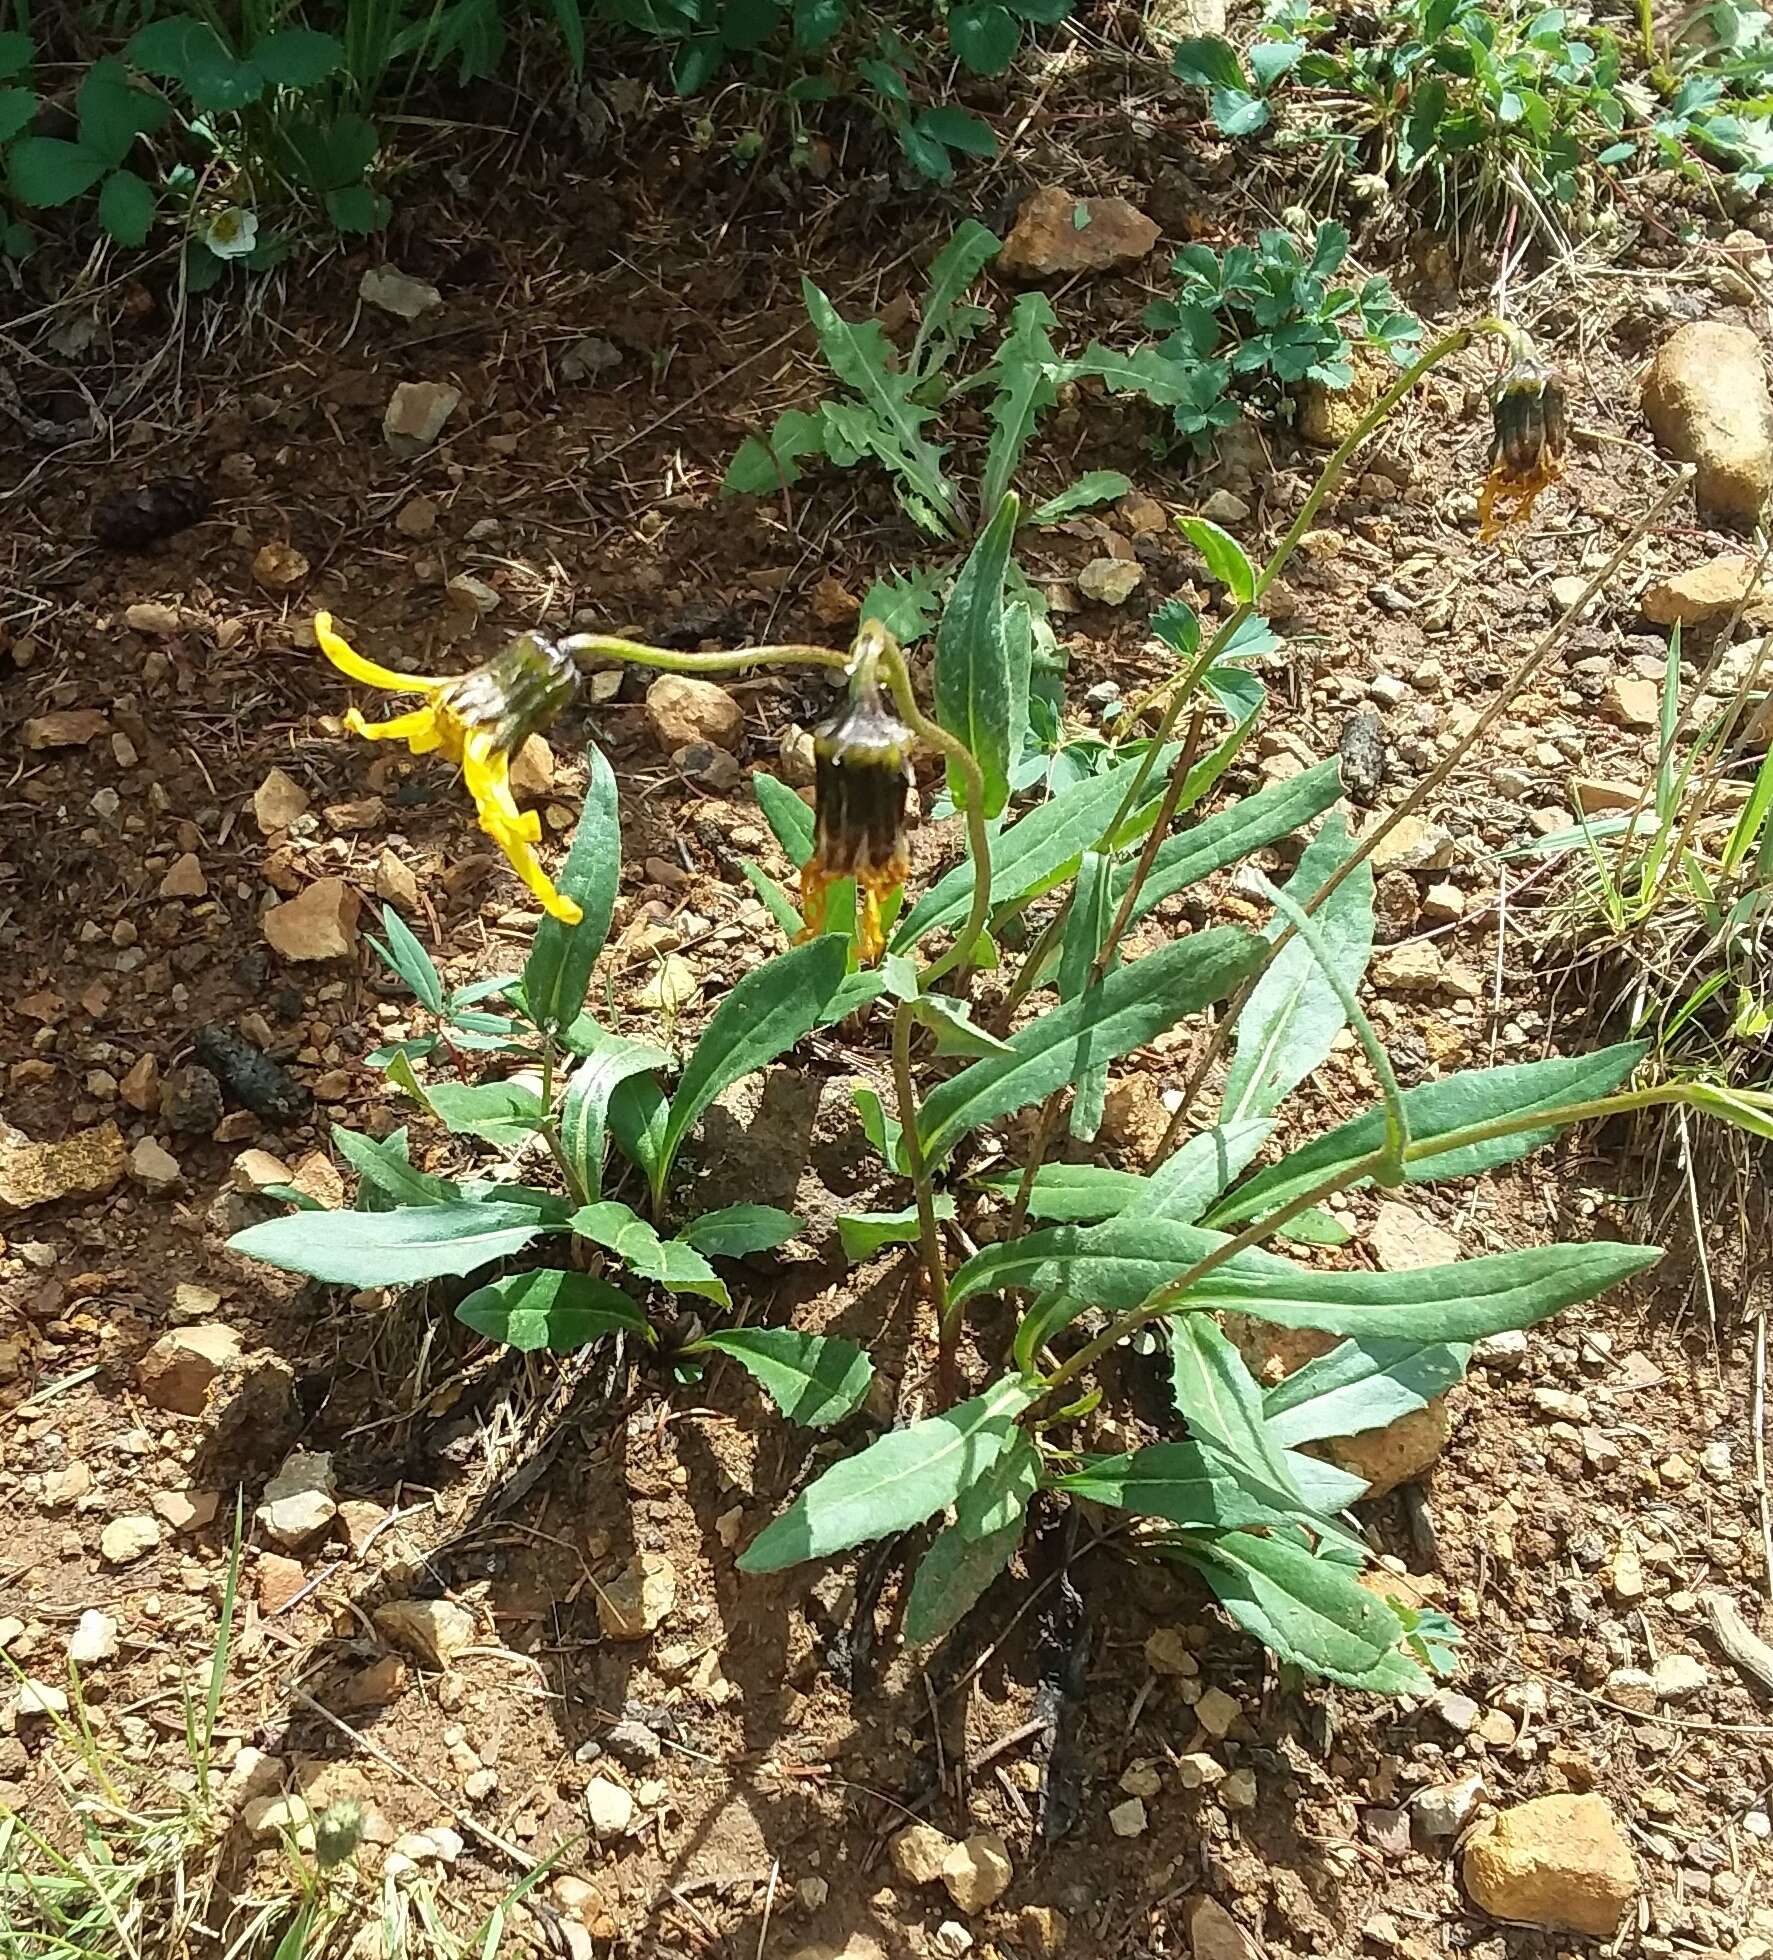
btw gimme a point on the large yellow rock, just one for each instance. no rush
(1557, 1862)
(1705, 397)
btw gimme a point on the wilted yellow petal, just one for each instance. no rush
(419, 730)
(486, 772)
(371, 673)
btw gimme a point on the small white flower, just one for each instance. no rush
(232, 233)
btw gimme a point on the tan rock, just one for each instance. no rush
(1043, 1931)
(1594, 796)
(1414, 844)
(638, 1600)
(278, 801)
(1633, 704)
(1557, 1862)
(1403, 1239)
(69, 728)
(1214, 1935)
(319, 925)
(124, 1540)
(177, 1371)
(436, 1630)
(187, 1510)
(383, 1680)
(1058, 233)
(833, 603)
(1412, 968)
(86, 1165)
(416, 413)
(279, 1580)
(154, 1167)
(395, 882)
(1706, 400)
(1329, 416)
(153, 617)
(682, 710)
(1110, 581)
(279, 567)
(1168, 1652)
(298, 1503)
(184, 878)
(140, 1088)
(977, 1871)
(532, 769)
(919, 1852)
(360, 814)
(1708, 592)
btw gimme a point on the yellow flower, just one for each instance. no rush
(1531, 429)
(476, 720)
(862, 765)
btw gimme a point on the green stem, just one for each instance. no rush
(591, 647)
(550, 1128)
(929, 1230)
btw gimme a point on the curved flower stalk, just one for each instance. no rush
(477, 720)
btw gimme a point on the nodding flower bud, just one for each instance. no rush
(337, 1831)
(515, 694)
(1531, 425)
(862, 779)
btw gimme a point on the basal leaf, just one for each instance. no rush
(1123, 1012)
(549, 1309)
(1218, 1398)
(944, 321)
(404, 956)
(981, 689)
(1173, 1481)
(740, 1230)
(1226, 558)
(1092, 488)
(505, 1114)
(557, 973)
(906, 1476)
(382, 1165)
(763, 1016)
(1086, 932)
(1311, 1611)
(786, 814)
(974, 1548)
(613, 1059)
(813, 1379)
(1021, 378)
(670, 1262)
(864, 1233)
(391, 1248)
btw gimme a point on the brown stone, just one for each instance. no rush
(1058, 233)
(184, 878)
(177, 1371)
(1705, 398)
(684, 710)
(1708, 592)
(319, 925)
(278, 801)
(70, 728)
(279, 1580)
(1558, 1862)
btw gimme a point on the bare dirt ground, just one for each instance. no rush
(1598, 1480)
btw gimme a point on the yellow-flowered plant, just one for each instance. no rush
(478, 721)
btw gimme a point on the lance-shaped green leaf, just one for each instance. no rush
(1435, 1110)
(1086, 931)
(1177, 1482)
(584, 1113)
(405, 956)
(764, 1015)
(1226, 559)
(815, 1379)
(1070, 1193)
(1295, 1012)
(1092, 488)
(892, 425)
(786, 815)
(737, 1231)
(974, 1548)
(550, 1309)
(669, 1261)
(1360, 1385)
(391, 1248)
(557, 973)
(1019, 373)
(385, 1171)
(981, 678)
(1119, 1264)
(764, 464)
(1311, 1611)
(638, 1114)
(951, 1022)
(908, 1475)
(507, 1114)
(1123, 1012)
(1039, 850)
(1232, 834)
(1218, 1398)
(945, 320)
(864, 1233)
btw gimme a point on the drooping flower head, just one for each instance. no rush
(862, 779)
(478, 721)
(1531, 430)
